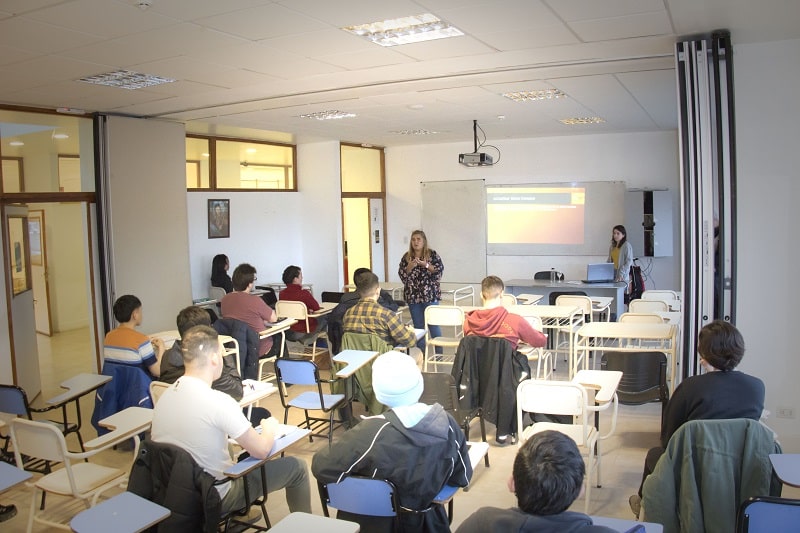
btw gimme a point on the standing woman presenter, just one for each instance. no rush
(421, 273)
(621, 254)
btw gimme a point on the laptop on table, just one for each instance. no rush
(599, 273)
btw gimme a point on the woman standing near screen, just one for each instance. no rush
(621, 254)
(219, 273)
(421, 273)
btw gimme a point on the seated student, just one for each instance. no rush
(294, 291)
(494, 320)
(199, 419)
(348, 300)
(367, 316)
(131, 358)
(249, 308)
(229, 382)
(219, 273)
(419, 448)
(547, 477)
(720, 393)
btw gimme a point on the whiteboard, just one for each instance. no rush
(454, 220)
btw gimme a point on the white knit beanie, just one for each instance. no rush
(396, 379)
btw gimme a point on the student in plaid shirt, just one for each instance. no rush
(368, 316)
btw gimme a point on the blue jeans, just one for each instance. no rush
(418, 317)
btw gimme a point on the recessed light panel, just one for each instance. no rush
(328, 115)
(532, 96)
(405, 30)
(574, 121)
(126, 79)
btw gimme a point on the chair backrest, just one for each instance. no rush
(509, 299)
(444, 315)
(216, 293)
(332, 297)
(644, 376)
(439, 387)
(660, 294)
(555, 294)
(584, 303)
(767, 514)
(39, 440)
(361, 495)
(296, 372)
(231, 347)
(553, 398)
(545, 275)
(640, 318)
(157, 388)
(535, 322)
(292, 309)
(14, 401)
(647, 306)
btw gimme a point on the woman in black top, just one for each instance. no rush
(219, 273)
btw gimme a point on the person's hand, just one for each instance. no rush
(158, 345)
(269, 425)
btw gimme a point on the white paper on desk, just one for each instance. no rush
(281, 430)
(253, 385)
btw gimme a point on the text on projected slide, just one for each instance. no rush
(535, 215)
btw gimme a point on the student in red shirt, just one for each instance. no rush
(294, 292)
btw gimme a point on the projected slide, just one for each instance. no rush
(535, 215)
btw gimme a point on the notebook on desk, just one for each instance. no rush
(599, 273)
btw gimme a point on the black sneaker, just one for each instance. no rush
(7, 512)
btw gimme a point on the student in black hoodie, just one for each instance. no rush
(547, 478)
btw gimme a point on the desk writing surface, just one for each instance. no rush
(626, 330)
(787, 467)
(354, 359)
(79, 385)
(620, 524)
(604, 381)
(11, 476)
(124, 424)
(281, 443)
(124, 512)
(299, 521)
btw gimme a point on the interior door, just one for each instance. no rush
(17, 256)
(41, 287)
(377, 240)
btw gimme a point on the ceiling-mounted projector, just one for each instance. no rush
(475, 158)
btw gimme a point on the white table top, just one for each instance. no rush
(124, 425)
(620, 524)
(78, 386)
(529, 299)
(787, 467)
(324, 309)
(255, 391)
(604, 381)
(277, 327)
(670, 317)
(11, 476)
(476, 452)
(626, 330)
(124, 512)
(354, 359)
(545, 311)
(599, 303)
(298, 521)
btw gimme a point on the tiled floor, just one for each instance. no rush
(622, 455)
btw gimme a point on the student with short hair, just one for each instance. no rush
(294, 292)
(368, 316)
(494, 320)
(719, 393)
(249, 308)
(547, 477)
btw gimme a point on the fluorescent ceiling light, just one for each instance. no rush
(328, 115)
(525, 96)
(414, 132)
(60, 136)
(581, 120)
(16, 143)
(405, 30)
(126, 79)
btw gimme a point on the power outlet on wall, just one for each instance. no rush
(784, 412)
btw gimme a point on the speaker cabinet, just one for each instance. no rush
(648, 219)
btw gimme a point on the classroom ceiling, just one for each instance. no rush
(252, 67)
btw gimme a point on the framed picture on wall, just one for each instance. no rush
(219, 219)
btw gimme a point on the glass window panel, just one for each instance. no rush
(197, 163)
(12, 174)
(69, 173)
(361, 169)
(38, 139)
(254, 165)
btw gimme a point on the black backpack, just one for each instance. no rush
(636, 286)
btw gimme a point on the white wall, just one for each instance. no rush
(272, 230)
(767, 112)
(640, 160)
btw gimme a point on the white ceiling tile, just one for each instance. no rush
(353, 12)
(317, 43)
(652, 89)
(501, 16)
(39, 37)
(196, 9)
(639, 25)
(262, 22)
(443, 48)
(12, 54)
(372, 57)
(574, 10)
(548, 36)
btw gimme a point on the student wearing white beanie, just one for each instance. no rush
(418, 447)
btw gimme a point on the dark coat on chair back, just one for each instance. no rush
(169, 476)
(487, 371)
(248, 344)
